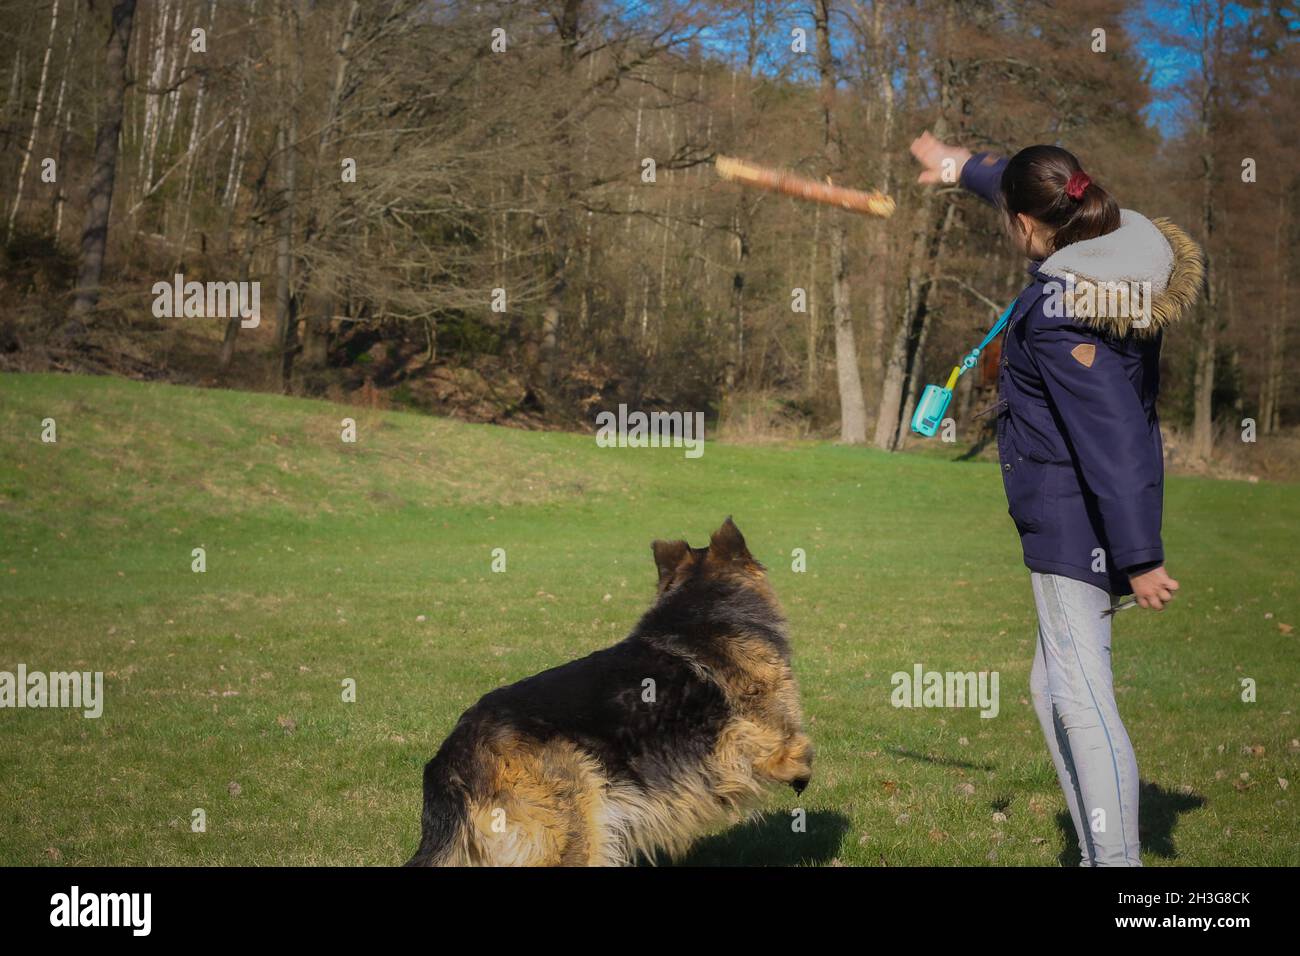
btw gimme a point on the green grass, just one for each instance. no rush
(322, 556)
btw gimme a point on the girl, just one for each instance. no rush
(1079, 445)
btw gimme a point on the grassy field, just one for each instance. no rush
(372, 561)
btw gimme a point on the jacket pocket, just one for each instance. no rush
(1025, 480)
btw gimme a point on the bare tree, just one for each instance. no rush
(853, 410)
(286, 143)
(99, 196)
(63, 121)
(36, 121)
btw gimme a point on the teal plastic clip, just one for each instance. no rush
(936, 398)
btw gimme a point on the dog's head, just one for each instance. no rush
(726, 562)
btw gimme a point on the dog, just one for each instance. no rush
(636, 749)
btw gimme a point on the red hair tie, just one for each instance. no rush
(1077, 184)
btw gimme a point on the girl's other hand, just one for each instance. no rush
(931, 154)
(1154, 588)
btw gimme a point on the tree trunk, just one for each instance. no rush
(36, 122)
(99, 196)
(877, 230)
(853, 410)
(1270, 414)
(196, 124)
(811, 293)
(320, 303)
(13, 99)
(175, 69)
(153, 100)
(741, 235)
(559, 228)
(1203, 375)
(286, 149)
(1203, 382)
(243, 120)
(63, 123)
(284, 311)
(233, 323)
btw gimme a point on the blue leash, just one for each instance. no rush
(969, 361)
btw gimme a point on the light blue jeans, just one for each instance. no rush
(1074, 696)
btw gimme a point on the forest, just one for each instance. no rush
(508, 211)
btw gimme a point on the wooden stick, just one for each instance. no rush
(801, 187)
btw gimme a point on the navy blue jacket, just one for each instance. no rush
(1078, 435)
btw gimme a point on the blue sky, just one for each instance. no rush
(1170, 65)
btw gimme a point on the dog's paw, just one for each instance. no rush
(798, 784)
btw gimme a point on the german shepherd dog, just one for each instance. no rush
(635, 749)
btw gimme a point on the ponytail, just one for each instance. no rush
(1048, 184)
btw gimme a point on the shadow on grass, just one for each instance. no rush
(982, 441)
(940, 761)
(769, 840)
(1158, 811)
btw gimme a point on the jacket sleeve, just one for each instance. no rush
(982, 175)
(1107, 427)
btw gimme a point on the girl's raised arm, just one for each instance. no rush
(980, 173)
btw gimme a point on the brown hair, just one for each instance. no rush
(1034, 183)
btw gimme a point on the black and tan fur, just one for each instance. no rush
(573, 766)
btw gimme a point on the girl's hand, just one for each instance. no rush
(931, 154)
(1154, 588)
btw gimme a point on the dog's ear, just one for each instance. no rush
(728, 544)
(669, 556)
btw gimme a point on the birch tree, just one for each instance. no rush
(36, 121)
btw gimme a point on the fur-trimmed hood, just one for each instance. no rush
(1139, 279)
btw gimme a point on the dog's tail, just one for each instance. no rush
(446, 813)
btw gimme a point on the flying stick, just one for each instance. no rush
(801, 187)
